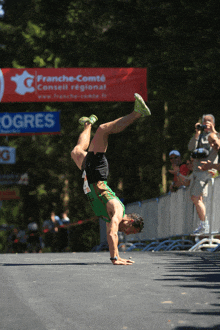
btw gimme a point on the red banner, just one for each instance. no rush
(11, 193)
(72, 84)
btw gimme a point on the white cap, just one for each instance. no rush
(174, 152)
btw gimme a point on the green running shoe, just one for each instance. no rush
(140, 106)
(92, 119)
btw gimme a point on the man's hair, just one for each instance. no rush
(213, 118)
(138, 221)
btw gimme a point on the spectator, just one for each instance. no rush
(22, 237)
(65, 219)
(185, 179)
(16, 241)
(33, 234)
(56, 221)
(177, 168)
(32, 226)
(214, 142)
(13, 240)
(57, 241)
(201, 151)
(48, 233)
(63, 233)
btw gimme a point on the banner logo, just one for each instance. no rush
(72, 84)
(24, 83)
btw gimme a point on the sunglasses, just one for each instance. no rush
(174, 157)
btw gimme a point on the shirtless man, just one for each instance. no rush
(94, 167)
(214, 142)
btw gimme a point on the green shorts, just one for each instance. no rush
(99, 196)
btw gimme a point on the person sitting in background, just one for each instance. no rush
(63, 234)
(33, 234)
(22, 240)
(13, 241)
(184, 180)
(48, 233)
(177, 168)
(65, 219)
(56, 221)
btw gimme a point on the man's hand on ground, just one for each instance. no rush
(121, 261)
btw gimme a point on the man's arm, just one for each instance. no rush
(181, 178)
(112, 237)
(115, 211)
(205, 166)
(193, 143)
(211, 127)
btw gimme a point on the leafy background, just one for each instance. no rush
(178, 42)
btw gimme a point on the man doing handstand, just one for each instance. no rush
(94, 167)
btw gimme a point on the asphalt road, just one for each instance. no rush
(81, 291)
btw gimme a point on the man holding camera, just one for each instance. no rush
(201, 151)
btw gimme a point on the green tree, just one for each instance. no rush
(179, 44)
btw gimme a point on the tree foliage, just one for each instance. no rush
(178, 41)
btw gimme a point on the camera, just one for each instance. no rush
(200, 153)
(201, 127)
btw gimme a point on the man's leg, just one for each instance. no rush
(100, 141)
(197, 191)
(200, 207)
(201, 211)
(79, 153)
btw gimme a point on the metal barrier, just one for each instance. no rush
(216, 206)
(212, 201)
(174, 214)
